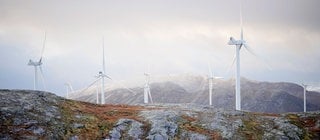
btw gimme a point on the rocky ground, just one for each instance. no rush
(42, 115)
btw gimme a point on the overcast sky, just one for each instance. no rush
(173, 36)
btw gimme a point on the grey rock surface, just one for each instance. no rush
(31, 109)
(164, 124)
(41, 115)
(193, 136)
(126, 129)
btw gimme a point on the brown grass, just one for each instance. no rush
(190, 124)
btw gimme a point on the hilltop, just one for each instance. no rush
(27, 114)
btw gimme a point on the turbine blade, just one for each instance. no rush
(108, 77)
(42, 78)
(103, 57)
(43, 45)
(230, 66)
(148, 68)
(90, 85)
(241, 33)
(150, 96)
(250, 50)
(122, 85)
(218, 78)
(69, 86)
(241, 25)
(210, 70)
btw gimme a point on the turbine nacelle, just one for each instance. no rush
(101, 74)
(147, 78)
(233, 41)
(32, 63)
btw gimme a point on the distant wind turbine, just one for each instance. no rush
(304, 97)
(69, 89)
(211, 79)
(102, 74)
(147, 93)
(101, 77)
(36, 65)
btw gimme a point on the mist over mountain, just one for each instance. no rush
(256, 96)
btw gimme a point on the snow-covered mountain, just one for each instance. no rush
(256, 96)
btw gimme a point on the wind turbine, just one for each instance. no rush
(69, 89)
(36, 65)
(102, 74)
(211, 78)
(238, 45)
(147, 93)
(101, 77)
(304, 97)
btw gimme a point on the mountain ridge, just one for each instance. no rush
(194, 89)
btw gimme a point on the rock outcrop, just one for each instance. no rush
(42, 115)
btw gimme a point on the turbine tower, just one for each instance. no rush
(211, 79)
(304, 97)
(36, 65)
(147, 93)
(238, 45)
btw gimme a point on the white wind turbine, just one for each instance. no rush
(69, 89)
(36, 65)
(102, 74)
(147, 93)
(304, 97)
(101, 77)
(211, 79)
(238, 45)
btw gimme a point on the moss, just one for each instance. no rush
(146, 129)
(251, 129)
(69, 109)
(192, 124)
(105, 126)
(303, 124)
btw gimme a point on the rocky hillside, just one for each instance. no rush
(256, 96)
(42, 115)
